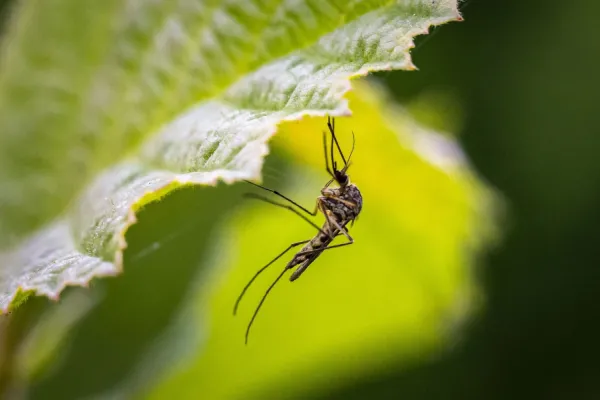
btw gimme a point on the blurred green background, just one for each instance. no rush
(522, 78)
(526, 74)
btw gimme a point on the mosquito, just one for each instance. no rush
(340, 206)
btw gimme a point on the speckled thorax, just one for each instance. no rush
(343, 212)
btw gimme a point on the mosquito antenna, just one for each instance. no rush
(262, 301)
(331, 125)
(350, 156)
(352, 149)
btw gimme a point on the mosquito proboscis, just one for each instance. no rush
(340, 205)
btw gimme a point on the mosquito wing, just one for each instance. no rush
(304, 265)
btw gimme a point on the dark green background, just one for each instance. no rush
(527, 75)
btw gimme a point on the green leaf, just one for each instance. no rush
(107, 106)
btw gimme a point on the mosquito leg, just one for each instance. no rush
(339, 228)
(296, 274)
(331, 126)
(327, 214)
(262, 301)
(313, 213)
(326, 156)
(327, 185)
(326, 248)
(291, 246)
(328, 195)
(287, 207)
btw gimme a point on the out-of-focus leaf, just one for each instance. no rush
(40, 344)
(141, 323)
(106, 106)
(396, 295)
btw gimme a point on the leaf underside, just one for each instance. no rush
(141, 98)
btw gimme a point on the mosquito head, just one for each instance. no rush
(339, 175)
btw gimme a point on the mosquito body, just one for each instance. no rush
(340, 206)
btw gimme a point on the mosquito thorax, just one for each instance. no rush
(352, 194)
(349, 193)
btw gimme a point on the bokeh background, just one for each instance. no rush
(517, 82)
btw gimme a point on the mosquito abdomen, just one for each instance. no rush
(300, 270)
(317, 244)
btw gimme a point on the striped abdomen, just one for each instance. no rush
(318, 243)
